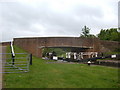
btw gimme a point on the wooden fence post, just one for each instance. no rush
(30, 59)
(13, 58)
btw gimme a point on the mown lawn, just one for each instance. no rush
(57, 75)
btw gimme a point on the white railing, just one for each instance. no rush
(81, 54)
(12, 49)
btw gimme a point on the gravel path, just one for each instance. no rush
(2, 50)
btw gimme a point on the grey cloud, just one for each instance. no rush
(119, 15)
(90, 11)
(18, 20)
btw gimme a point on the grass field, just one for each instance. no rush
(56, 75)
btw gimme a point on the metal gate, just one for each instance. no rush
(17, 64)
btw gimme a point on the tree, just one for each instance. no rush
(109, 34)
(86, 32)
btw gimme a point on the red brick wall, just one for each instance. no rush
(5, 43)
(33, 45)
(107, 46)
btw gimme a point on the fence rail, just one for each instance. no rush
(20, 63)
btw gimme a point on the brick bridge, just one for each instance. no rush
(35, 45)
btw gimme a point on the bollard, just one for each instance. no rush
(30, 59)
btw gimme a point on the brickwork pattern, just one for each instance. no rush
(33, 45)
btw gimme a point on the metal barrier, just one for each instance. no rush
(20, 63)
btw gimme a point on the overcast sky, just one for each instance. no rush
(33, 18)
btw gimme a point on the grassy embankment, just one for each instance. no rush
(44, 75)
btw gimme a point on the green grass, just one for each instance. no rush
(43, 75)
(109, 53)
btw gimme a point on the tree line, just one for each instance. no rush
(111, 34)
